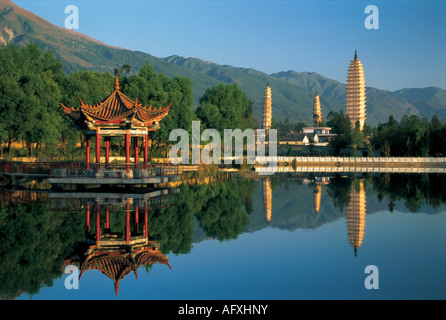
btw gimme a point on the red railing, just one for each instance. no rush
(76, 169)
(25, 167)
(112, 170)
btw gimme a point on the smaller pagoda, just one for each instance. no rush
(117, 115)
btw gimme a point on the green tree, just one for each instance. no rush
(225, 107)
(158, 90)
(341, 126)
(437, 131)
(30, 93)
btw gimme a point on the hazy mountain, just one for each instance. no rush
(380, 103)
(78, 51)
(427, 101)
(292, 91)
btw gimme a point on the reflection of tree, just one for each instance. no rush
(33, 244)
(35, 240)
(218, 206)
(415, 189)
(339, 190)
(221, 214)
(172, 227)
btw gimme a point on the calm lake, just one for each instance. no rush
(227, 236)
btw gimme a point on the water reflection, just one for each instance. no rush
(356, 211)
(120, 233)
(109, 247)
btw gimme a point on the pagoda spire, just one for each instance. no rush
(117, 84)
(356, 55)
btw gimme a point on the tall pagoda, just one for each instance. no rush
(117, 115)
(356, 98)
(317, 114)
(267, 109)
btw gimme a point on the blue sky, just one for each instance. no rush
(408, 49)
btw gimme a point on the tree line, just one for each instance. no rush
(33, 84)
(412, 136)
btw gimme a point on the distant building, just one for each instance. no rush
(356, 98)
(299, 138)
(324, 133)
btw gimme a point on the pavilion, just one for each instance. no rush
(117, 115)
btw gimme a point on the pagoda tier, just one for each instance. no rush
(356, 97)
(117, 111)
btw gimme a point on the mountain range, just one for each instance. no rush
(292, 92)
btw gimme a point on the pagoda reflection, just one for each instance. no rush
(356, 211)
(318, 182)
(267, 199)
(116, 251)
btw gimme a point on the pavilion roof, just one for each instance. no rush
(117, 108)
(117, 266)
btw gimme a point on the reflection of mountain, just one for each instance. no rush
(356, 211)
(297, 199)
(294, 205)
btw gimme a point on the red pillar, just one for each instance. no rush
(127, 222)
(146, 148)
(87, 158)
(127, 150)
(135, 142)
(136, 220)
(107, 150)
(107, 219)
(98, 224)
(146, 222)
(98, 147)
(87, 222)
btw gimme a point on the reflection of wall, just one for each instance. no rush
(267, 199)
(356, 211)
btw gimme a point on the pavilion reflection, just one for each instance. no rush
(119, 246)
